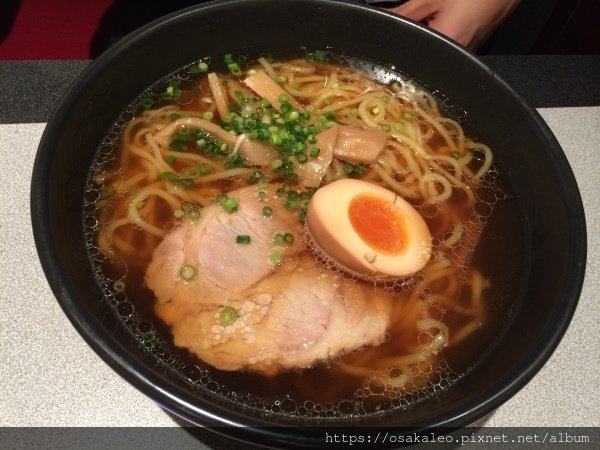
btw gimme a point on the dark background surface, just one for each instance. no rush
(547, 50)
(68, 29)
(30, 90)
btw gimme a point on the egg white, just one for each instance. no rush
(329, 225)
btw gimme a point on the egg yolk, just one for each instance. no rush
(378, 223)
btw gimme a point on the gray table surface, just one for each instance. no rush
(50, 377)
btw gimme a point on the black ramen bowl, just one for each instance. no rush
(551, 223)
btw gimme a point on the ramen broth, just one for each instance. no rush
(443, 317)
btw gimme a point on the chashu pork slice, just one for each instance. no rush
(293, 319)
(215, 264)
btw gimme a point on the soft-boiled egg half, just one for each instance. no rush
(368, 229)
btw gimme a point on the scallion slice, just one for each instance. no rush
(230, 205)
(228, 316)
(242, 239)
(275, 258)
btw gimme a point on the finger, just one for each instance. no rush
(417, 10)
(454, 30)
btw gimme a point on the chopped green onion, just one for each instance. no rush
(281, 79)
(267, 211)
(233, 161)
(354, 169)
(287, 167)
(202, 67)
(171, 177)
(386, 128)
(171, 92)
(242, 239)
(285, 106)
(317, 55)
(262, 134)
(275, 258)
(173, 117)
(178, 213)
(208, 115)
(301, 157)
(407, 115)
(181, 137)
(167, 176)
(239, 95)
(146, 102)
(234, 68)
(400, 127)
(283, 239)
(171, 159)
(178, 146)
(320, 55)
(230, 205)
(455, 154)
(276, 164)
(276, 140)
(292, 115)
(291, 203)
(228, 316)
(256, 176)
(187, 272)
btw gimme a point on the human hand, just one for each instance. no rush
(469, 22)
